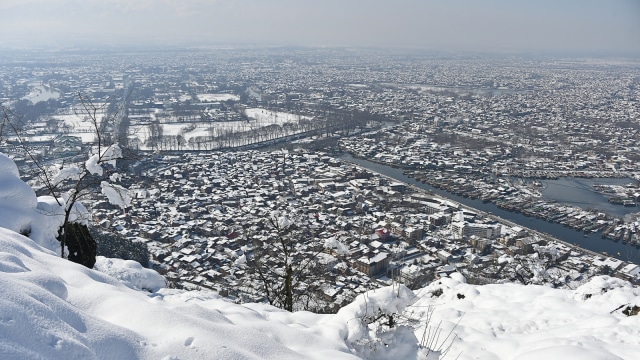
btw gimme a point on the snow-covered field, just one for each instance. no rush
(185, 97)
(217, 97)
(77, 122)
(258, 118)
(51, 308)
(266, 117)
(79, 126)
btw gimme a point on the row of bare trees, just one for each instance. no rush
(335, 122)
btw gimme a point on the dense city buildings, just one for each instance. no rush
(226, 139)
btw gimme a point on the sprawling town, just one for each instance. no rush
(234, 150)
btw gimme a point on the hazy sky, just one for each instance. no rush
(598, 26)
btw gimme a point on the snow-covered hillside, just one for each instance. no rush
(51, 308)
(512, 321)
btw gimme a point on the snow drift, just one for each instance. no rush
(52, 308)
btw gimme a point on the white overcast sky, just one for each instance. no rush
(599, 26)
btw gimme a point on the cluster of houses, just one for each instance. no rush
(494, 172)
(469, 125)
(203, 215)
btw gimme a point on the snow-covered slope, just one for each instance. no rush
(51, 308)
(54, 309)
(512, 321)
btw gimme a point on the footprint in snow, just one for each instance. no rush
(189, 341)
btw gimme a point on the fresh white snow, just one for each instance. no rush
(116, 194)
(267, 117)
(513, 321)
(217, 97)
(51, 308)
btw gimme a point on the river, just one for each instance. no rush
(579, 192)
(593, 242)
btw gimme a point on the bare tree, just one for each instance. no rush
(287, 265)
(75, 176)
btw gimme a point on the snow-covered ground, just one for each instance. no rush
(513, 321)
(76, 124)
(258, 118)
(217, 97)
(266, 117)
(79, 125)
(51, 308)
(200, 129)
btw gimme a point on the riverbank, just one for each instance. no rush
(590, 241)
